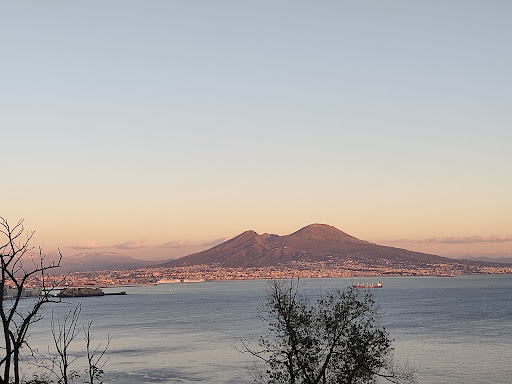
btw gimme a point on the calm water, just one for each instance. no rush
(452, 330)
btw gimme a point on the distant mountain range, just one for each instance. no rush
(501, 260)
(313, 243)
(100, 261)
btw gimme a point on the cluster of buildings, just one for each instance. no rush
(302, 269)
(11, 292)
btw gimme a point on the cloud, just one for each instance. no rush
(469, 239)
(188, 244)
(211, 243)
(89, 245)
(133, 244)
(176, 244)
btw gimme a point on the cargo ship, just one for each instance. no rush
(174, 281)
(368, 285)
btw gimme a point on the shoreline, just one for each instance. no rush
(103, 284)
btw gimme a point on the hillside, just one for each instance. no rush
(313, 243)
(98, 262)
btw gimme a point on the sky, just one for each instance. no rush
(160, 128)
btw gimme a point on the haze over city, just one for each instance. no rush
(158, 129)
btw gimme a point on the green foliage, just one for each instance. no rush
(334, 339)
(94, 374)
(39, 379)
(70, 376)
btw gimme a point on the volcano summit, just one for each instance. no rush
(311, 244)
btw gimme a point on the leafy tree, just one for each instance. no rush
(334, 340)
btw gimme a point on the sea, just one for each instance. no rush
(450, 330)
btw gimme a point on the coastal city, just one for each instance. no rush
(154, 275)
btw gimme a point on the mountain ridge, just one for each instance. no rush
(98, 261)
(312, 243)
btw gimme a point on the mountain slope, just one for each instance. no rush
(315, 242)
(98, 262)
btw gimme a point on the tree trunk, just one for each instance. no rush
(8, 352)
(16, 362)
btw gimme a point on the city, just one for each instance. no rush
(146, 276)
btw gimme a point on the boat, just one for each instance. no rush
(174, 281)
(368, 285)
(169, 281)
(446, 275)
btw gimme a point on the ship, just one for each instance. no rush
(368, 285)
(169, 281)
(173, 281)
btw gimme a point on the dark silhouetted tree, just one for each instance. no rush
(64, 332)
(96, 358)
(334, 339)
(20, 270)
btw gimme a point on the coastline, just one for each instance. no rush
(198, 274)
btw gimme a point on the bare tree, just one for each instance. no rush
(20, 272)
(64, 332)
(96, 358)
(334, 340)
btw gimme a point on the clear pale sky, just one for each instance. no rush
(158, 128)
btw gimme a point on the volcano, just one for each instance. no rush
(313, 243)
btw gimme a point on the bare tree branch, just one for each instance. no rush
(20, 273)
(63, 335)
(95, 356)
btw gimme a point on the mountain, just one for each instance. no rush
(98, 262)
(313, 243)
(501, 259)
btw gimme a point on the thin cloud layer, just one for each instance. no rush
(89, 245)
(133, 244)
(211, 243)
(469, 239)
(188, 244)
(176, 244)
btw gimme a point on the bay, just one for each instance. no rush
(452, 330)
